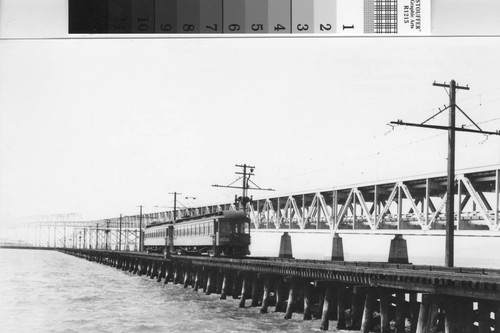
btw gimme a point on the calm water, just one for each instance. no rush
(45, 291)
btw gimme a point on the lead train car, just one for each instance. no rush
(222, 233)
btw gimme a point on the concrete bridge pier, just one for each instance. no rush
(398, 252)
(337, 248)
(286, 246)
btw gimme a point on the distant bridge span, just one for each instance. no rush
(414, 205)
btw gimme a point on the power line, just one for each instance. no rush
(451, 128)
(245, 176)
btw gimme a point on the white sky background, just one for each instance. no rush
(99, 127)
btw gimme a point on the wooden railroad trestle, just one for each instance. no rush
(359, 296)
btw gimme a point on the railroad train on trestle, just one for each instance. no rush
(225, 233)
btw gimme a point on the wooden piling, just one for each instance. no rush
(367, 321)
(291, 299)
(205, 279)
(210, 283)
(161, 272)
(197, 280)
(497, 317)
(428, 315)
(176, 274)
(400, 313)
(168, 270)
(321, 298)
(385, 305)
(333, 302)
(414, 311)
(358, 302)
(138, 268)
(243, 291)
(280, 296)
(219, 278)
(224, 286)
(458, 317)
(325, 316)
(153, 272)
(341, 307)
(307, 301)
(186, 277)
(255, 291)
(484, 311)
(235, 286)
(265, 296)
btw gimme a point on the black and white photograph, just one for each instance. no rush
(250, 166)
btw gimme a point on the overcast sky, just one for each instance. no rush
(100, 126)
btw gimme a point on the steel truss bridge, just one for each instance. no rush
(412, 205)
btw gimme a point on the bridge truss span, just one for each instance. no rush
(412, 204)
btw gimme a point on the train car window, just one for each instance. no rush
(246, 227)
(225, 228)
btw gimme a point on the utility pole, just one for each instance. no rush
(175, 204)
(450, 188)
(244, 199)
(140, 229)
(120, 235)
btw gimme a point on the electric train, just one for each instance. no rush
(224, 233)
